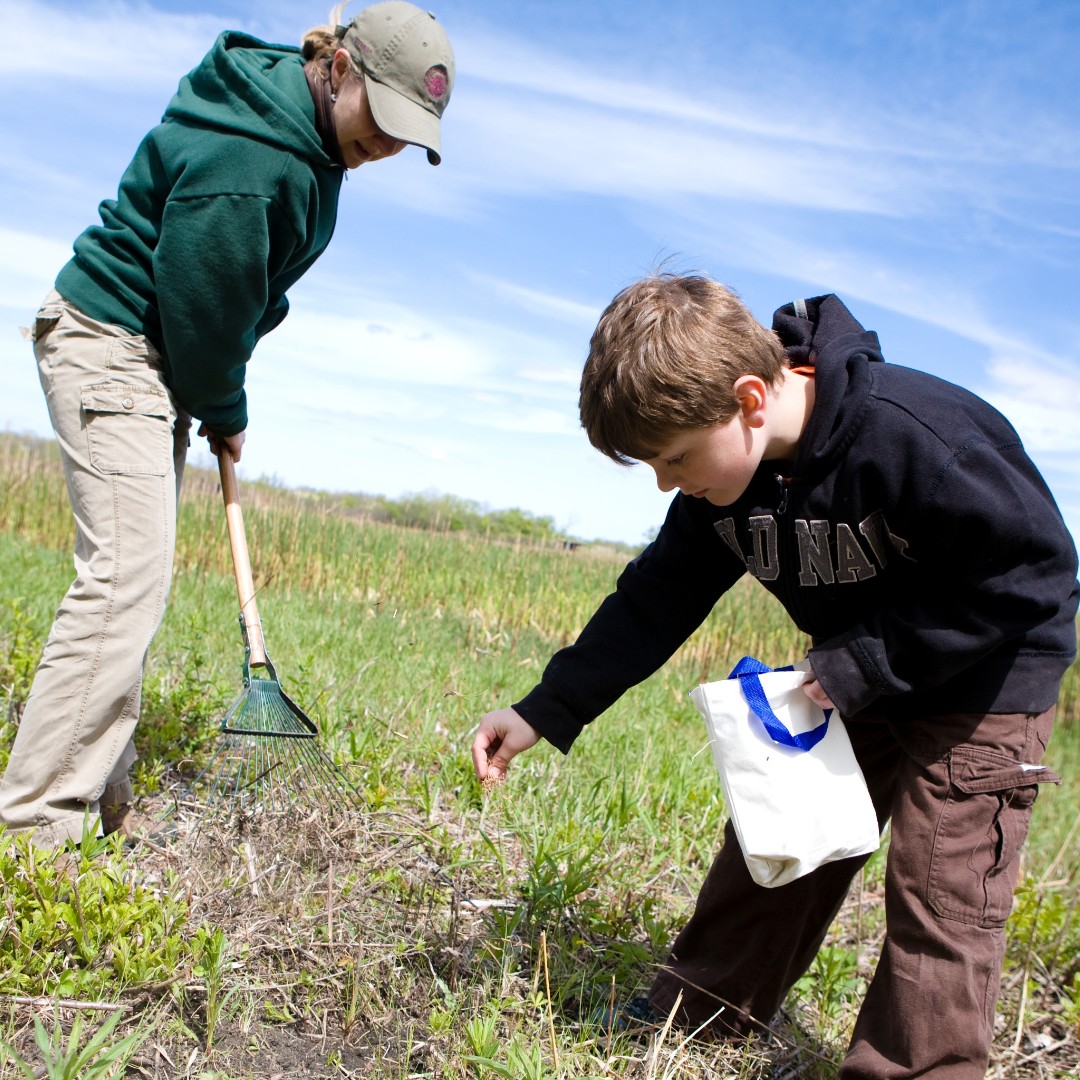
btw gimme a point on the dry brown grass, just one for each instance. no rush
(353, 950)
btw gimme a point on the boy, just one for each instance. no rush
(901, 524)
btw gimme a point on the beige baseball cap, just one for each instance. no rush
(408, 67)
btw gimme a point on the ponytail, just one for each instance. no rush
(320, 43)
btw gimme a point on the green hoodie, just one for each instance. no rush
(226, 203)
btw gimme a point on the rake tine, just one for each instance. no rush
(268, 757)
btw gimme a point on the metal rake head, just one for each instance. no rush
(263, 708)
(269, 755)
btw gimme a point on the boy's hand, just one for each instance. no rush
(502, 735)
(816, 693)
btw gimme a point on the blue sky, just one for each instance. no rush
(921, 159)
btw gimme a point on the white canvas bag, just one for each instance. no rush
(795, 793)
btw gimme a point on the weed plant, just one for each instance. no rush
(446, 932)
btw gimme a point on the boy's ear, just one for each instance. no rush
(752, 395)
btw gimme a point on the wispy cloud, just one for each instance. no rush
(108, 46)
(746, 85)
(580, 149)
(526, 421)
(1043, 404)
(855, 268)
(28, 265)
(564, 376)
(857, 142)
(536, 302)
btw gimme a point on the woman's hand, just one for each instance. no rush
(233, 443)
(502, 735)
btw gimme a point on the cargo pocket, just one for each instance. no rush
(48, 316)
(984, 824)
(129, 429)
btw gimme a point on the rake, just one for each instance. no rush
(268, 757)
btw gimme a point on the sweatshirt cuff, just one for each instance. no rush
(551, 718)
(835, 667)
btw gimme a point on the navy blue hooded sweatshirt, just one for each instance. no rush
(914, 541)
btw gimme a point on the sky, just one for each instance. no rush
(920, 158)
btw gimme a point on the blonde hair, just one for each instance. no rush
(319, 45)
(664, 358)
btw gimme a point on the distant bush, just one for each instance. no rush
(436, 512)
(449, 513)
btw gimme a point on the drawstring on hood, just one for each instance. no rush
(822, 332)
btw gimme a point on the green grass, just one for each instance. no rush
(396, 641)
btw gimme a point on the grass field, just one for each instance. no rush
(441, 932)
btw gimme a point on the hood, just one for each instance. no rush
(249, 88)
(822, 333)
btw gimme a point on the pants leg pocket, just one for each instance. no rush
(48, 315)
(980, 832)
(129, 428)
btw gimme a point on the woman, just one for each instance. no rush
(225, 205)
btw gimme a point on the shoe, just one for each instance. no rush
(629, 1017)
(135, 828)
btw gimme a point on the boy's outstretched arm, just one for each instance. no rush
(502, 735)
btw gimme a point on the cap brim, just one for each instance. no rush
(403, 119)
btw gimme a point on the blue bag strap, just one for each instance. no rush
(747, 671)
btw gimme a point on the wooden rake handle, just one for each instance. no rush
(245, 583)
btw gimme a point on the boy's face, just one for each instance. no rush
(714, 463)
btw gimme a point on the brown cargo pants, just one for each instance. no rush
(959, 790)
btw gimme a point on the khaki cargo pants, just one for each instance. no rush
(959, 789)
(123, 446)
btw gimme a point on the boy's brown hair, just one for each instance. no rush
(664, 357)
